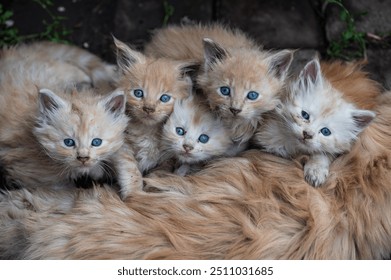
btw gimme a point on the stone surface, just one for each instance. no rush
(370, 17)
(379, 66)
(135, 20)
(276, 23)
(304, 24)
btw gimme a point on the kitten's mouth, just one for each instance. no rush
(186, 155)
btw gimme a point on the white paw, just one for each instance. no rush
(315, 175)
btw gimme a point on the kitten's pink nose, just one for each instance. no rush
(83, 159)
(306, 135)
(148, 110)
(235, 111)
(187, 147)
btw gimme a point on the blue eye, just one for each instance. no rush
(69, 142)
(96, 142)
(305, 115)
(180, 131)
(325, 131)
(203, 138)
(252, 95)
(165, 98)
(226, 91)
(138, 93)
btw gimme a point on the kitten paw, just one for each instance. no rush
(315, 175)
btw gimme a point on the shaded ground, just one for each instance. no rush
(303, 24)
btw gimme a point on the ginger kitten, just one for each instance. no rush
(152, 86)
(313, 119)
(53, 136)
(192, 136)
(239, 80)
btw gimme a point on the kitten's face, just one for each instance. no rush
(192, 134)
(243, 84)
(318, 119)
(82, 130)
(152, 84)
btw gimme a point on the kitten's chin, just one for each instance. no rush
(150, 121)
(186, 158)
(306, 146)
(92, 170)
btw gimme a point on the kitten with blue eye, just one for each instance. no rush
(152, 85)
(53, 137)
(74, 135)
(240, 81)
(313, 119)
(192, 136)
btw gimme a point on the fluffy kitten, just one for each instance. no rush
(75, 135)
(313, 119)
(192, 135)
(239, 80)
(152, 86)
(51, 136)
(255, 207)
(75, 65)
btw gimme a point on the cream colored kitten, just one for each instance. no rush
(75, 135)
(239, 80)
(152, 86)
(192, 135)
(76, 65)
(52, 135)
(313, 119)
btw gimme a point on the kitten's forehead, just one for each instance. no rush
(321, 100)
(86, 115)
(244, 72)
(155, 77)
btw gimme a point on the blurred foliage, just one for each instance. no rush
(168, 12)
(54, 29)
(351, 44)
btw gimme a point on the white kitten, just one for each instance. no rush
(192, 135)
(313, 119)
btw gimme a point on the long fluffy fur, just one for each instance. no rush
(234, 209)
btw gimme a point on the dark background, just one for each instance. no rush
(308, 25)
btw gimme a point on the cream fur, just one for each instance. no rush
(257, 206)
(195, 118)
(40, 108)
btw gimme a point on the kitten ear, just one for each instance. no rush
(126, 57)
(188, 68)
(115, 103)
(279, 63)
(310, 77)
(212, 52)
(362, 118)
(311, 74)
(49, 101)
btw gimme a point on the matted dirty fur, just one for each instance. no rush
(257, 206)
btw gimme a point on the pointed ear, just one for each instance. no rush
(188, 68)
(115, 103)
(126, 57)
(363, 117)
(213, 52)
(279, 63)
(311, 74)
(49, 101)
